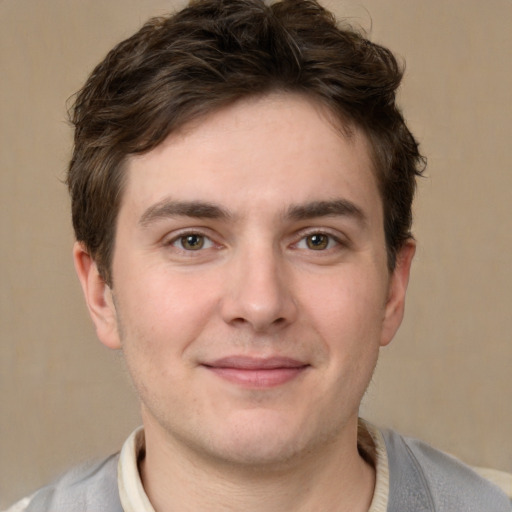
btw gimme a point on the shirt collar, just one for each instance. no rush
(134, 498)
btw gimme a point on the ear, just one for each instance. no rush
(398, 281)
(98, 297)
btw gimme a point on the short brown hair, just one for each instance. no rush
(210, 54)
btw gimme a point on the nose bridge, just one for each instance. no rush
(259, 290)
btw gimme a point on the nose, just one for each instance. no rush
(259, 292)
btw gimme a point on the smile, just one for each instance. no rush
(256, 372)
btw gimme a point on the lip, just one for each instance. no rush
(256, 372)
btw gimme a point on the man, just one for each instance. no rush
(241, 189)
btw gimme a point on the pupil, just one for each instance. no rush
(317, 241)
(192, 241)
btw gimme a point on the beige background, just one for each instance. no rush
(447, 376)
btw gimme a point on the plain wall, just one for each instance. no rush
(447, 376)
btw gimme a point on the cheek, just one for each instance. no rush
(164, 311)
(350, 304)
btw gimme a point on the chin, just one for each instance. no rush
(270, 445)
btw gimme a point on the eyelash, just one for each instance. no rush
(177, 241)
(332, 241)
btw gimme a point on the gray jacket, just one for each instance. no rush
(421, 479)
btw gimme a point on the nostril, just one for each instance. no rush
(239, 320)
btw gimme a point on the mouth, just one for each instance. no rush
(255, 372)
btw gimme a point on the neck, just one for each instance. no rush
(332, 478)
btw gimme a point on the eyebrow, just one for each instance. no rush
(334, 208)
(204, 210)
(171, 208)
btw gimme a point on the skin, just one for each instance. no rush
(251, 297)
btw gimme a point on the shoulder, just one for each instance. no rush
(502, 479)
(427, 479)
(89, 487)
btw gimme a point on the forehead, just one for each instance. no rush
(268, 151)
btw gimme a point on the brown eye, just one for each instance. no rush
(192, 242)
(317, 242)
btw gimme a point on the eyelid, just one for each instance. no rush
(206, 242)
(172, 238)
(338, 238)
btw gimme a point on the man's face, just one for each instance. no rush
(251, 291)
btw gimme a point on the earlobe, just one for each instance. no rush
(399, 280)
(98, 297)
